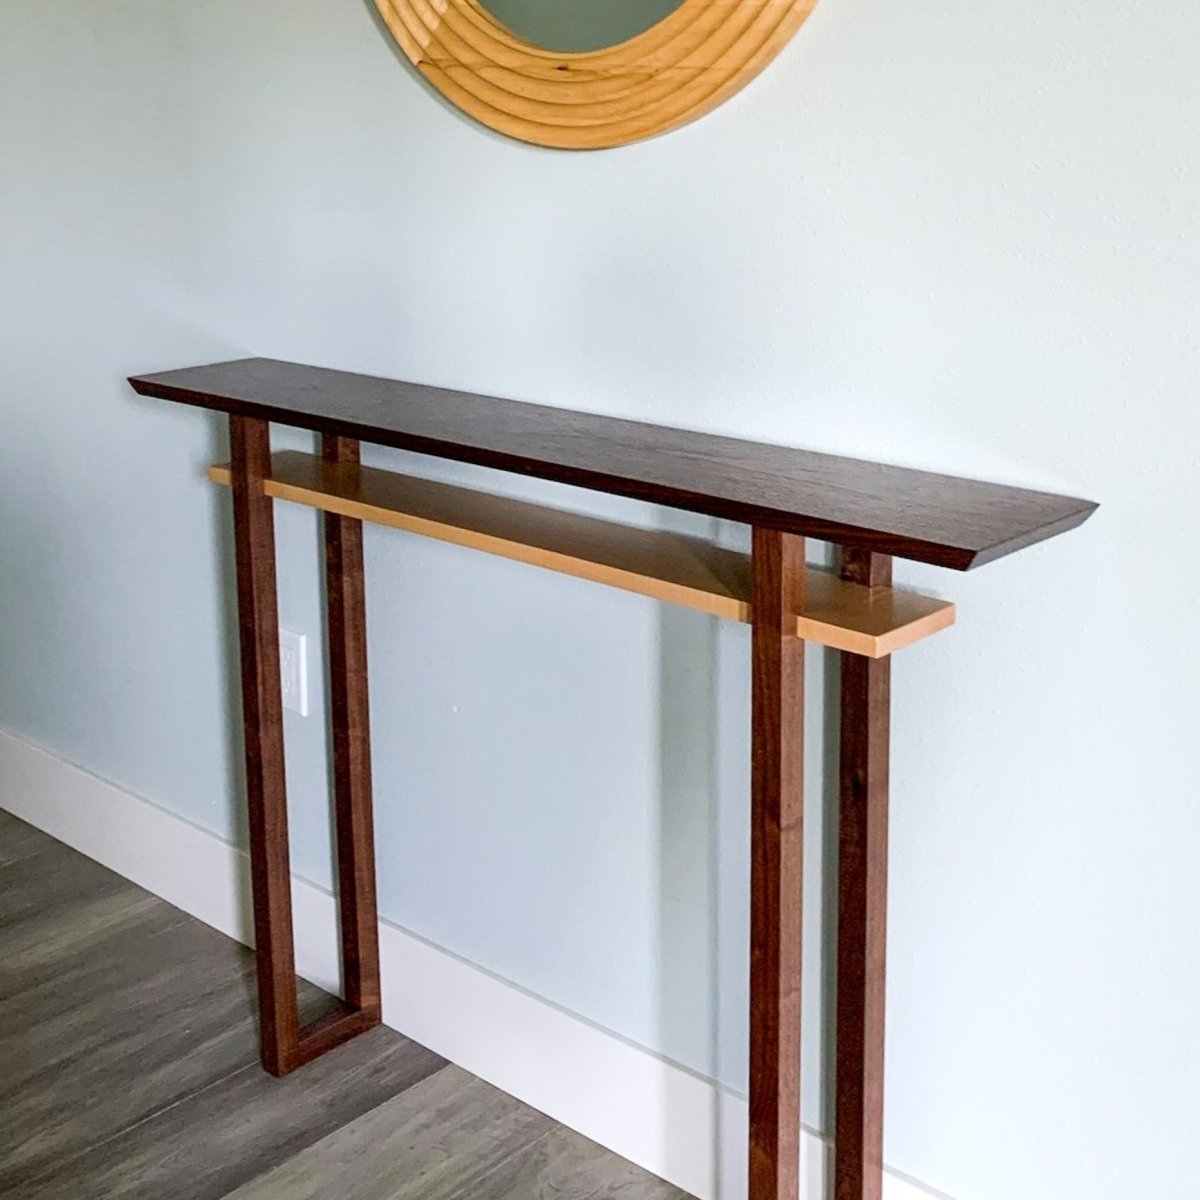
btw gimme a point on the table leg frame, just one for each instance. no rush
(776, 863)
(347, 618)
(777, 839)
(284, 1045)
(776, 885)
(862, 906)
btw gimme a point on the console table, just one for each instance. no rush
(872, 511)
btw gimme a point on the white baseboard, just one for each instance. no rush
(678, 1125)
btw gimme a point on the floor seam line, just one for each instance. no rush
(529, 1146)
(278, 1166)
(120, 1133)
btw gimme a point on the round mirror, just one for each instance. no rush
(585, 74)
(575, 26)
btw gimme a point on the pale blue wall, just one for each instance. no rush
(930, 233)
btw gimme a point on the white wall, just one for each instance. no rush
(946, 235)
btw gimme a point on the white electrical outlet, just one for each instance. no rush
(293, 670)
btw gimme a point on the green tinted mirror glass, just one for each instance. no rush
(574, 26)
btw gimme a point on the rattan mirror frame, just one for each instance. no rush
(677, 70)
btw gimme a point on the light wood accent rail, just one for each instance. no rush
(871, 621)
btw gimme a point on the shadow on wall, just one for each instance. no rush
(704, 785)
(688, 986)
(225, 574)
(230, 649)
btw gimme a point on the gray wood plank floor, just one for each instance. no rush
(129, 1071)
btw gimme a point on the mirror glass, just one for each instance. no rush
(574, 26)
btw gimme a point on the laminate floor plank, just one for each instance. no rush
(450, 1137)
(114, 1006)
(567, 1166)
(129, 1071)
(434, 1142)
(213, 1141)
(18, 839)
(153, 1016)
(56, 904)
(137, 1023)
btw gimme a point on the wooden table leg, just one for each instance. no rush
(262, 715)
(776, 864)
(862, 906)
(347, 607)
(284, 1046)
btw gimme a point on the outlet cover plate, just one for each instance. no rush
(293, 670)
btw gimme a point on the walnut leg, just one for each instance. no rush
(284, 1046)
(344, 585)
(777, 859)
(262, 714)
(862, 906)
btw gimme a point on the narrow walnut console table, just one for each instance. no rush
(873, 512)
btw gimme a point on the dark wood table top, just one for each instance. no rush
(940, 519)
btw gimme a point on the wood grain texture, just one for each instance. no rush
(776, 864)
(285, 1046)
(129, 1046)
(433, 1142)
(17, 840)
(215, 1140)
(350, 717)
(565, 1165)
(665, 566)
(127, 1038)
(90, 1005)
(862, 907)
(262, 716)
(51, 910)
(939, 519)
(454, 1136)
(677, 70)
